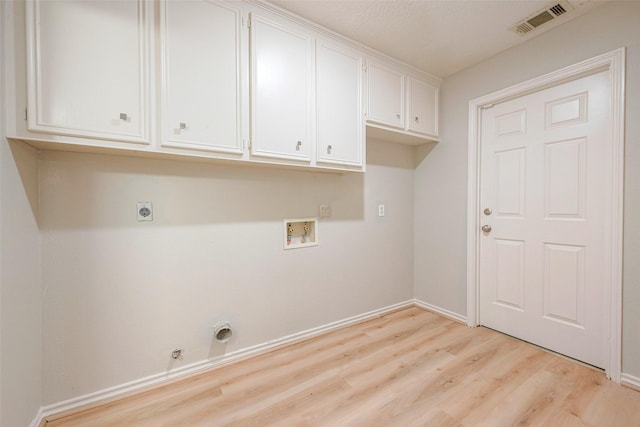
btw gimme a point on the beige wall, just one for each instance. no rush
(21, 301)
(441, 178)
(20, 295)
(120, 294)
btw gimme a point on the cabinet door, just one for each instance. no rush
(281, 77)
(339, 105)
(201, 75)
(422, 116)
(385, 95)
(88, 63)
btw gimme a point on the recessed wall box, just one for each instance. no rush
(300, 233)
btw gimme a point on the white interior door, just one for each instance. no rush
(544, 192)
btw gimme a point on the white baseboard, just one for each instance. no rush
(441, 311)
(630, 381)
(158, 379)
(38, 419)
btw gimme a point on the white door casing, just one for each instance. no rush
(540, 246)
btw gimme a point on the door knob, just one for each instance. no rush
(486, 228)
(488, 211)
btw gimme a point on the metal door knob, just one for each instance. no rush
(486, 228)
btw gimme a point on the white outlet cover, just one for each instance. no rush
(145, 211)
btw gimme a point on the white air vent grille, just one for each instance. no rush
(539, 18)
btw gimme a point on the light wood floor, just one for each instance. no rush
(408, 368)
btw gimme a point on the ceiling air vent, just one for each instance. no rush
(535, 20)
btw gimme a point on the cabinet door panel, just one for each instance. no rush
(88, 65)
(339, 105)
(201, 75)
(281, 81)
(386, 95)
(422, 116)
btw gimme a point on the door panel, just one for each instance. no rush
(565, 180)
(511, 123)
(545, 160)
(511, 181)
(510, 273)
(564, 283)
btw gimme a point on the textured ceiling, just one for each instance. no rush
(436, 36)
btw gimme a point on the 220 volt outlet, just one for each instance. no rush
(145, 211)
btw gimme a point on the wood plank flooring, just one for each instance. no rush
(408, 368)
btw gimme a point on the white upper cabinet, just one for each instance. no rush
(233, 79)
(281, 90)
(401, 107)
(340, 123)
(385, 95)
(88, 68)
(201, 73)
(422, 107)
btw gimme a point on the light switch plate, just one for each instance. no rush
(325, 211)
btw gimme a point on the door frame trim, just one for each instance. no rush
(614, 63)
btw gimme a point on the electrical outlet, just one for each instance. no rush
(380, 210)
(145, 211)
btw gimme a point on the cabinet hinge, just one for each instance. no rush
(249, 22)
(364, 67)
(247, 144)
(26, 114)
